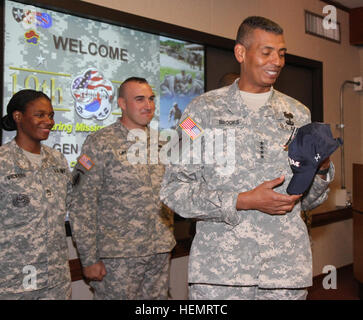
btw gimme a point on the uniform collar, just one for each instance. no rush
(275, 106)
(125, 131)
(238, 106)
(279, 106)
(269, 109)
(22, 162)
(122, 129)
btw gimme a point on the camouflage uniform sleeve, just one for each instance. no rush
(185, 191)
(87, 184)
(318, 192)
(184, 188)
(69, 183)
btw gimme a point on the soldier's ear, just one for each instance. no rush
(121, 103)
(17, 116)
(240, 52)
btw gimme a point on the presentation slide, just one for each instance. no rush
(80, 63)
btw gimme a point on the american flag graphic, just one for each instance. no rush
(96, 80)
(191, 128)
(86, 162)
(92, 79)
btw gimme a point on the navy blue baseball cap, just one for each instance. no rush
(312, 144)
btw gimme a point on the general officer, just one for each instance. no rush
(251, 242)
(123, 233)
(34, 183)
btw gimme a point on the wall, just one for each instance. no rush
(330, 249)
(361, 100)
(340, 62)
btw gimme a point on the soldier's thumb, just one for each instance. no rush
(275, 182)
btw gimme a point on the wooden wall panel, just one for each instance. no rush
(356, 26)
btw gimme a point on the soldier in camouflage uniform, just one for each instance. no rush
(250, 241)
(123, 234)
(34, 183)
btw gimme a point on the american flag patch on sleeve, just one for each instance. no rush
(86, 162)
(191, 128)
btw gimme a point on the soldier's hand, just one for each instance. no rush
(95, 271)
(263, 198)
(325, 165)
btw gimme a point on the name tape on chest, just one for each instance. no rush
(224, 122)
(59, 170)
(15, 176)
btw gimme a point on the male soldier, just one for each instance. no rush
(181, 82)
(250, 242)
(123, 235)
(196, 85)
(174, 115)
(167, 87)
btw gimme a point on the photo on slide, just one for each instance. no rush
(181, 78)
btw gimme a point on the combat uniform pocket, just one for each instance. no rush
(125, 171)
(248, 151)
(17, 210)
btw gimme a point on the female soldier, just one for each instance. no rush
(34, 182)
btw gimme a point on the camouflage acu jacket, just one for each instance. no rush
(116, 210)
(32, 216)
(242, 247)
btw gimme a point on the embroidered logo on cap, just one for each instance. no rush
(292, 162)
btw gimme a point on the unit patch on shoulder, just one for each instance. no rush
(86, 162)
(191, 128)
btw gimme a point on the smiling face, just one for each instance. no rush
(34, 124)
(137, 104)
(261, 60)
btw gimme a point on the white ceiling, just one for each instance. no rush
(351, 4)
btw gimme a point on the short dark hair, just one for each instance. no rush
(18, 102)
(131, 79)
(255, 22)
